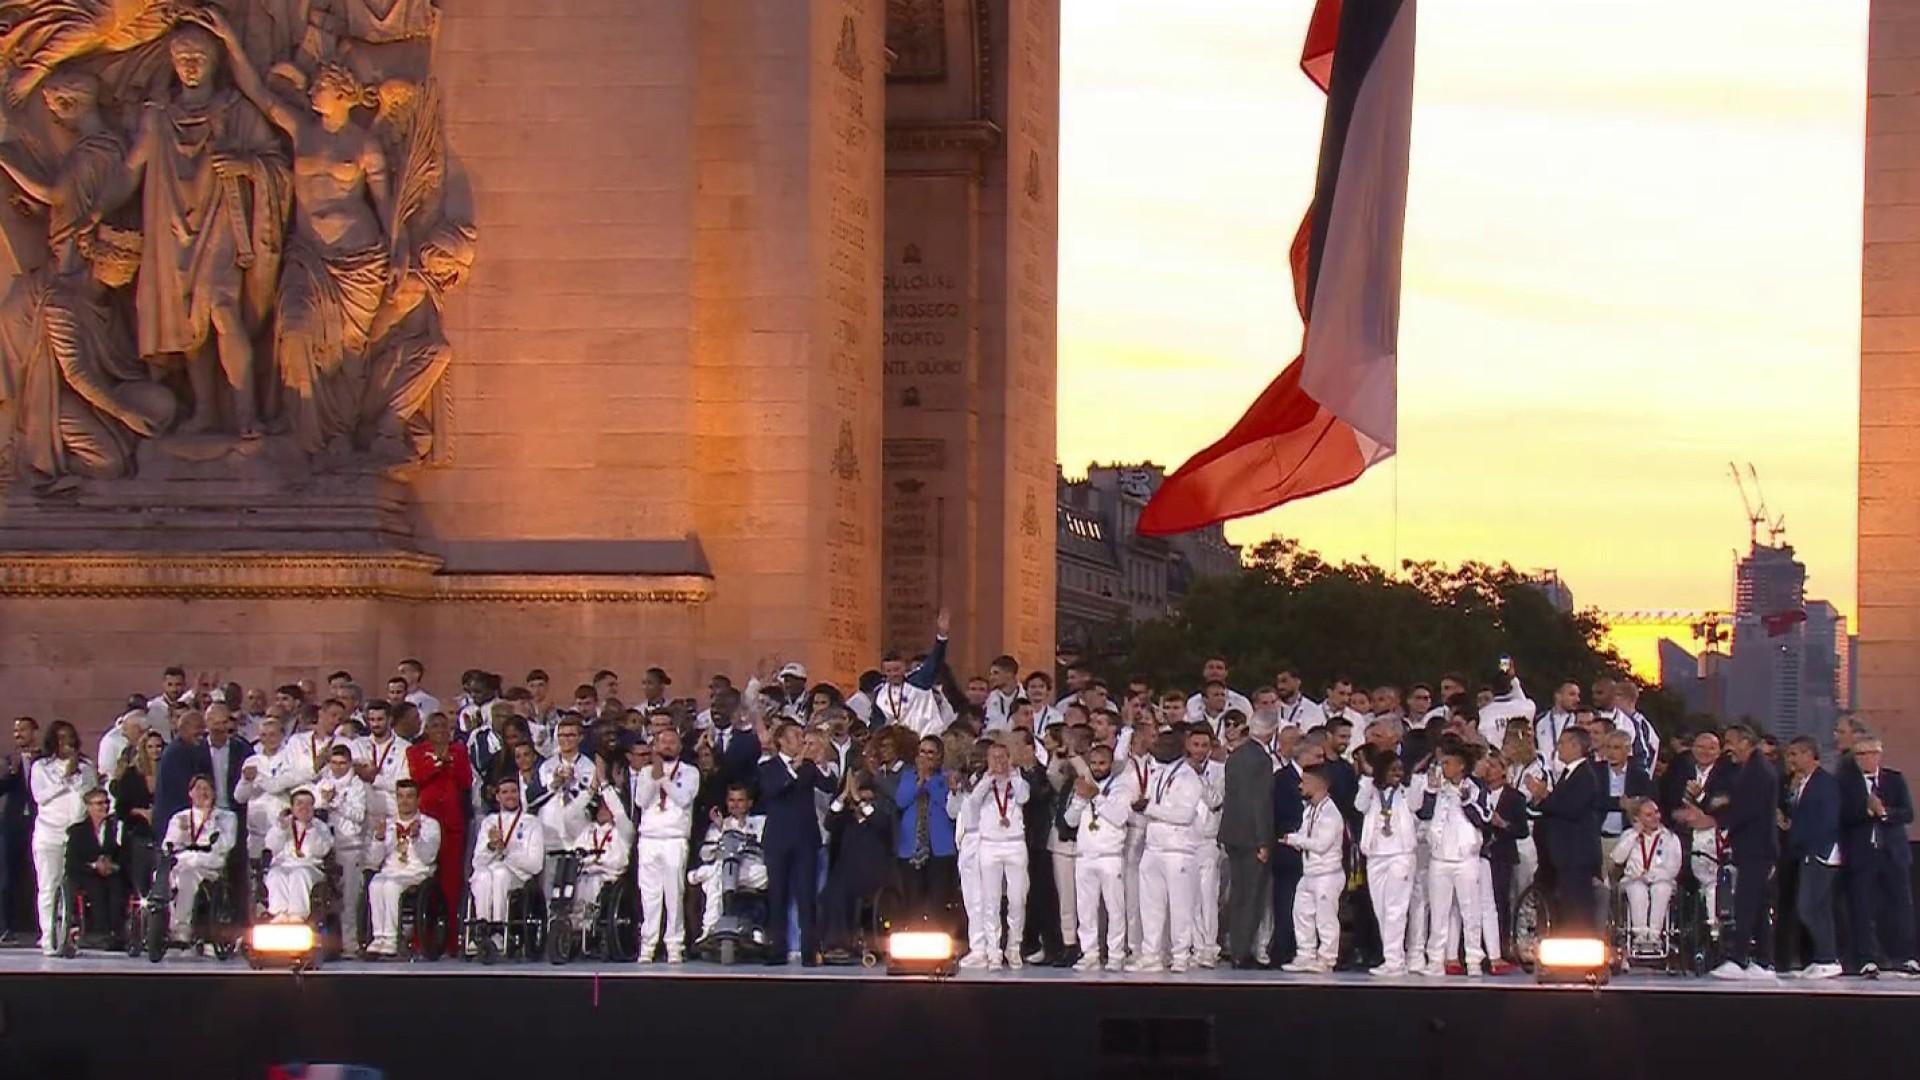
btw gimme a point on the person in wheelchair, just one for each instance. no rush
(605, 847)
(97, 863)
(510, 852)
(296, 849)
(752, 876)
(341, 800)
(1648, 856)
(407, 851)
(201, 837)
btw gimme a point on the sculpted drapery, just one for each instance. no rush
(282, 164)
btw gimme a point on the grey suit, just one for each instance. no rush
(1246, 827)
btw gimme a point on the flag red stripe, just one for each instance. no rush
(1323, 32)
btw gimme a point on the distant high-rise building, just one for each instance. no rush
(1821, 679)
(1785, 669)
(1557, 593)
(1850, 674)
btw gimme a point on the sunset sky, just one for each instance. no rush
(1632, 254)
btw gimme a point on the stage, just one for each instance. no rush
(100, 1016)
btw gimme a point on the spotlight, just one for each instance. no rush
(920, 952)
(1573, 960)
(294, 944)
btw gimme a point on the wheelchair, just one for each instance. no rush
(606, 929)
(1706, 931)
(71, 918)
(422, 929)
(324, 905)
(741, 929)
(1665, 951)
(525, 925)
(212, 924)
(1532, 922)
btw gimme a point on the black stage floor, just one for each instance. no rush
(111, 1017)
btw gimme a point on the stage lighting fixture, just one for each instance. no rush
(920, 952)
(1573, 960)
(293, 944)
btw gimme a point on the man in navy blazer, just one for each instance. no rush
(1569, 830)
(1749, 814)
(1813, 847)
(1289, 810)
(184, 758)
(791, 841)
(1875, 810)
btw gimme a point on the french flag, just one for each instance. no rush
(322, 1072)
(1332, 412)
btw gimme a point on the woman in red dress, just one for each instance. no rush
(440, 766)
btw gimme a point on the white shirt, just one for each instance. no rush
(1650, 857)
(423, 850)
(1197, 705)
(525, 847)
(564, 813)
(1173, 803)
(1546, 733)
(997, 807)
(201, 839)
(219, 756)
(1101, 820)
(314, 841)
(344, 799)
(1213, 795)
(1388, 825)
(425, 702)
(389, 760)
(999, 710)
(1303, 714)
(1502, 711)
(59, 794)
(666, 804)
(924, 712)
(1318, 838)
(274, 776)
(608, 847)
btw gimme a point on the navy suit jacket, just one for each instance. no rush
(740, 761)
(1289, 808)
(1859, 831)
(1502, 844)
(238, 751)
(1814, 819)
(16, 802)
(1569, 824)
(1748, 816)
(179, 764)
(787, 801)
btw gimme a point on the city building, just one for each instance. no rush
(1785, 671)
(1554, 588)
(1107, 574)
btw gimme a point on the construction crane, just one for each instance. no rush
(1756, 507)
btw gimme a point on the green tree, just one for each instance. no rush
(1354, 620)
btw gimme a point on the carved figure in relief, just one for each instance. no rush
(343, 250)
(67, 367)
(42, 34)
(85, 184)
(214, 202)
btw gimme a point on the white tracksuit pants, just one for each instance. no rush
(1524, 869)
(1705, 871)
(1453, 900)
(1417, 910)
(49, 870)
(1489, 914)
(1647, 905)
(1390, 887)
(352, 863)
(1316, 918)
(1132, 857)
(753, 878)
(1206, 902)
(383, 902)
(968, 864)
(1064, 888)
(661, 868)
(492, 887)
(1003, 875)
(1097, 883)
(1166, 904)
(290, 890)
(190, 870)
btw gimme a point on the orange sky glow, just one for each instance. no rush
(1632, 254)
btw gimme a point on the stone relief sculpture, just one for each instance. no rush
(277, 170)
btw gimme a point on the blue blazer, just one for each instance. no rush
(1569, 826)
(787, 801)
(1860, 831)
(1814, 819)
(939, 825)
(1748, 815)
(179, 763)
(740, 761)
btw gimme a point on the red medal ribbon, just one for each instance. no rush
(669, 779)
(1002, 803)
(193, 839)
(1141, 770)
(1647, 853)
(507, 837)
(299, 839)
(380, 757)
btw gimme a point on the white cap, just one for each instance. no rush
(795, 671)
(218, 697)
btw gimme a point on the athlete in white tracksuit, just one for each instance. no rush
(201, 836)
(1166, 867)
(666, 796)
(1649, 860)
(267, 777)
(1099, 810)
(1455, 809)
(1207, 861)
(1316, 900)
(1138, 768)
(298, 846)
(998, 800)
(1389, 837)
(752, 872)
(508, 851)
(966, 838)
(59, 786)
(406, 849)
(606, 848)
(340, 799)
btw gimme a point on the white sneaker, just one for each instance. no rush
(1178, 967)
(974, 961)
(1087, 962)
(996, 962)
(1116, 964)
(1144, 966)
(1820, 971)
(1729, 970)
(1208, 962)
(1388, 971)
(676, 958)
(1014, 961)
(1300, 967)
(1756, 973)
(645, 957)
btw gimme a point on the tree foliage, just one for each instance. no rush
(1355, 620)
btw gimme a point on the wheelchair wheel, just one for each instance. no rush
(559, 938)
(620, 921)
(729, 950)
(1529, 924)
(156, 937)
(67, 921)
(429, 923)
(136, 937)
